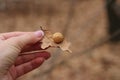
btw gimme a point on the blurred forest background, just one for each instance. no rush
(92, 26)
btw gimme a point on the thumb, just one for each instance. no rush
(18, 43)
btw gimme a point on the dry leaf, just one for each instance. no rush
(49, 42)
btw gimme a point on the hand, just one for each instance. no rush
(13, 63)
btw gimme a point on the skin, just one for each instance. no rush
(13, 63)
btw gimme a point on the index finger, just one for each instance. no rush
(8, 35)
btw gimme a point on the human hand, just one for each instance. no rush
(13, 63)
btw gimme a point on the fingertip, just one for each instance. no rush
(37, 62)
(40, 60)
(46, 55)
(39, 33)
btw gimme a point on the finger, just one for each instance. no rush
(5, 36)
(26, 58)
(16, 44)
(34, 47)
(27, 67)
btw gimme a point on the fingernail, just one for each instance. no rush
(39, 33)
